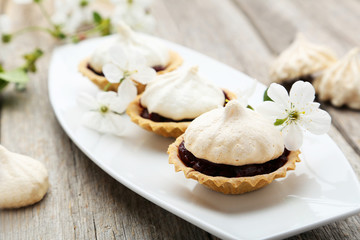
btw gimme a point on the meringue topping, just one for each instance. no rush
(341, 82)
(182, 94)
(23, 180)
(233, 135)
(155, 53)
(300, 59)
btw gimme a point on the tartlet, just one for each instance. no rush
(232, 150)
(157, 56)
(340, 83)
(173, 100)
(302, 60)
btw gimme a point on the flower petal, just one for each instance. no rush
(243, 95)
(92, 120)
(317, 122)
(302, 92)
(279, 95)
(144, 75)
(126, 93)
(293, 137)
(105, 123)
(118, 56)
(117, 124)
(5, 24)
(105, 98)
(112, 73)
(87, 101)
(271, 110)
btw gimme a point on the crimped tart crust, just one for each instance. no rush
(237, 185)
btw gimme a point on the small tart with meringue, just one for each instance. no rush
(157, 56)
(340, 84)
(232, 150)
(302, 60)
(173, 100)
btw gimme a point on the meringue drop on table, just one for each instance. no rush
(340, 84)
(23, 180)
(302, 60)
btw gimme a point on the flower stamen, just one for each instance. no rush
(104, 109)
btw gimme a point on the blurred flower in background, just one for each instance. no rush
(135, 13)
(71, 20)
(71, 14)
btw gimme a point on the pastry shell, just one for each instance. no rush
(175, 61)
(166, 129)
(226, 185)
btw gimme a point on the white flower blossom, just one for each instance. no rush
(71, 14)
(295, 112)
(127, 67)
(104, 112)
(134, 13)
(5, 24)
(243, 95)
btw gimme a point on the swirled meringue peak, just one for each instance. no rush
(233, 135)
(23, 180)
(182, 94)
(155, 53)
(341, 82)
(301, 58)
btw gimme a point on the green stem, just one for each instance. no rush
(107, 86)
(45, 14)
(29, 29)
(86, 32)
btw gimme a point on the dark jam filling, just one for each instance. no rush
(98, 73)
(158, 118)
(159, 68)
(288, 83)
(214, 169)
(156, 68)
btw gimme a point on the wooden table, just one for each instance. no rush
(84, 202)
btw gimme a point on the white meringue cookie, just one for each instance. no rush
(155, 53)
(301, 58)
(182, 94)
(23, 180)
(233, 135)
(341, 82)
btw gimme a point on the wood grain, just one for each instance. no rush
(83, 201)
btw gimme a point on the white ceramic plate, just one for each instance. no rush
(321, 190)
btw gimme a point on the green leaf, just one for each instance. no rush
(266, 97)
(30, 60)
(16, 76)
(97, 18)
(6, 38)
(280, 121)
(3, 84)
(84, 3)
(250, 107)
